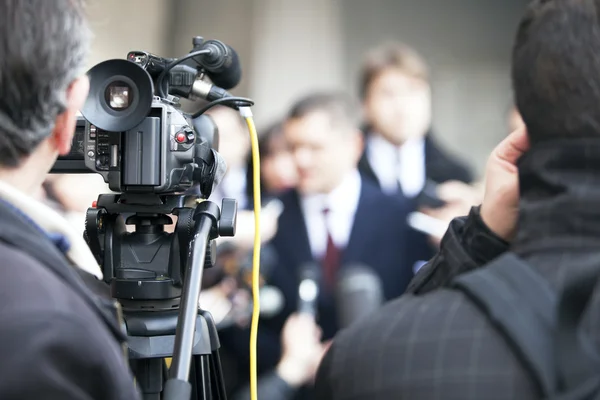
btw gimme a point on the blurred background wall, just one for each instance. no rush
(289, 47)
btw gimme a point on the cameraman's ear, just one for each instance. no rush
(64, 128)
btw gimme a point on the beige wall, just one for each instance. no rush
(298, 48)
(124, 25)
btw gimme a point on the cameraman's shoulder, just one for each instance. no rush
(405, 336)
(28, 281)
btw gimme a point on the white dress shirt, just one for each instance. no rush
(342, 203)
(398, 164)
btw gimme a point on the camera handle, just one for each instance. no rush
(210, 224)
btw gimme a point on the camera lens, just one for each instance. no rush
(118, 95)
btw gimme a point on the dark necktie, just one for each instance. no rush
(331, 260)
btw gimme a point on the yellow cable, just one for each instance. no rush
(247, 114)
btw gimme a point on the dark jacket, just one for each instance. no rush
(58, 338)
(440, 166)
(434, 342)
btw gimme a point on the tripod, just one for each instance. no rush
(157, 276)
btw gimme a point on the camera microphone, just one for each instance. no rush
(308, 289)
(221, 64)
(359, 292)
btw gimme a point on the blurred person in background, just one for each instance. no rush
(401, 154)
(72, 195)
(234, 146)
(61, 336)
(277, 170)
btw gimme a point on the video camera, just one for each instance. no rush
(133, 132)
(159, 161)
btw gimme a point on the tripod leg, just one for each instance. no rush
(149, 377)
(200, 378)
(205, 371)
(217, 375)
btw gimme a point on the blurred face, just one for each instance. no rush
(324, 152)
(398, 106)
(277, 169)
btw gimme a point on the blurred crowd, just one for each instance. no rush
(347, 180)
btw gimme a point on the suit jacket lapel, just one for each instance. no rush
(364, 167)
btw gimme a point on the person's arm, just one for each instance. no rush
(61, 357)
(467, 244)
(486, 232)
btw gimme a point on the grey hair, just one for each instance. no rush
(43, 49)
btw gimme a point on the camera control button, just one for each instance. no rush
(181, 137)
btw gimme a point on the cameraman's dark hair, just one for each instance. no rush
(341, 108)
(556, 68)
(43, 48)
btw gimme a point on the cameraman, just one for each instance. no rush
(59, 339)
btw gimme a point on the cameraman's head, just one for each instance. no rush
(396, 94)
(323, 135)
(556, 69)
(43, 48)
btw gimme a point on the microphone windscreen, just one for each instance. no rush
(359, 292)
(229, 75)
(271, 301)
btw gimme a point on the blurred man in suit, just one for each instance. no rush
(540, 210)
(401, 154)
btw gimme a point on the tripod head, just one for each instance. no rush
(146, 267)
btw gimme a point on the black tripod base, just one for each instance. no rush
(151, 339)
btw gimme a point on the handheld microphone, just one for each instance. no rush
(358, 293)
(271, 301)
(308, 289)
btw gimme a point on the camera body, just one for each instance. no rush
(138, 141)
(151, 157)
